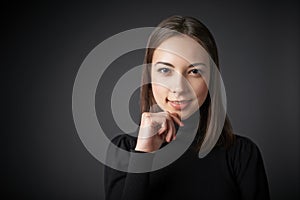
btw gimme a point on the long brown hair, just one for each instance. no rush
(193, 28)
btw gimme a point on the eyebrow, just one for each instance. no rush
(170, 65)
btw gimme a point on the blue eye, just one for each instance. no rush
(163, 70)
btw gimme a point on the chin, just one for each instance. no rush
(185, 114)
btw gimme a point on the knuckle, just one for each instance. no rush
(165, 113)
(146, 119)
(145, 114)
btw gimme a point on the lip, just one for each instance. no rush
(178, 104)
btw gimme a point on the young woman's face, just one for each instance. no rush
(179, 73)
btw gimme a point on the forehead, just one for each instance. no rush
(181, 47)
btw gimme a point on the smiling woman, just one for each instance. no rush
(176, 79)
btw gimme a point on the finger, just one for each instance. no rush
(175, 114)
(163, 128)
(171, 133)
(174, 131)
(171, 130)
(173, 136)
(176, 119)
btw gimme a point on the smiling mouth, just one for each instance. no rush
(178, 105)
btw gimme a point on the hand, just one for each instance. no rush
(155, 129)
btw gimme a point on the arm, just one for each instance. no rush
(122, 185)
(155, 129)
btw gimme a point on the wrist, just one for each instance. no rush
(138, 151)
(144, 150)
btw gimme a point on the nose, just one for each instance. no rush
(178, 83)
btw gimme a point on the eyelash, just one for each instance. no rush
(198, 71)
(165, 70)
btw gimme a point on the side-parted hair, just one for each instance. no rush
(198, 31)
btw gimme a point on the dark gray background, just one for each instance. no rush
(45, 44)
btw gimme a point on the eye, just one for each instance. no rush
(196, 72)
(164, 70)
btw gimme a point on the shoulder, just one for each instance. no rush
(124, 141)
(244, 151)
(242, 143)
(247, 167)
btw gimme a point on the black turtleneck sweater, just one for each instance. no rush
(230, 173)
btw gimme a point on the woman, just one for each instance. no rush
(177, 78)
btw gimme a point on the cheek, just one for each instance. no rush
(159, 92)
(201, 91)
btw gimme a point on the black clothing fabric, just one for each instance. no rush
(230, 173)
